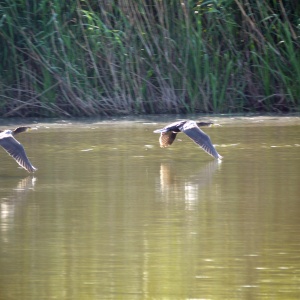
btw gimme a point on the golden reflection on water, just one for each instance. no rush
(110, 215)
(185, 186)
(11, 199)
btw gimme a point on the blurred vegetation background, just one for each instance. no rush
(88, 57)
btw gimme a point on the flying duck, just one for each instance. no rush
(191, 129)
(15, 149)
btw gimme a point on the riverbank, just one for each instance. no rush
(83, 59)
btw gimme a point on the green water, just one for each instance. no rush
(110, 215)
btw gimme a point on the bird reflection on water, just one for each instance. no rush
(14, 199)
(174, 185)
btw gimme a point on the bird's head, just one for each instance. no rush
(208, 124)
(201, 124)
(21, 129)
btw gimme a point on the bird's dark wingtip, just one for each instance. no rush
(31, 169)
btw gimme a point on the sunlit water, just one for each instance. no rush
(110, 215)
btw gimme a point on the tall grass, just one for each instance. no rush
(86, 58)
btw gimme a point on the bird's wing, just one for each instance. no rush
(200, 138)
(16, 150)
(167, 138)
(176, 127)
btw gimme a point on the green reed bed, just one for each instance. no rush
(85, 58)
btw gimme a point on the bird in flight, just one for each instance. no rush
(15, 149)
(192, 130)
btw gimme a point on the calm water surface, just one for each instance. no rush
(110, 215)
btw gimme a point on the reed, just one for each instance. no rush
(86, 58)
